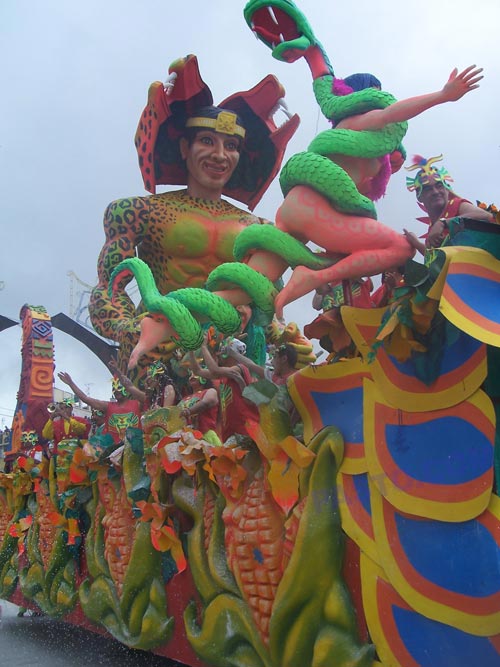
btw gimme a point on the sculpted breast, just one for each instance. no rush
(188, 236)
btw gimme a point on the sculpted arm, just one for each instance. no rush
(454, 89)
(125, 222)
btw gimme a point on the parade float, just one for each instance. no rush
(371, 536)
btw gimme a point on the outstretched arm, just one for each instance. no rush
(213, 367)
(93, 402)
(217, 371)
(196, 368)
(454, 89)
(254, 368)
(414, 241)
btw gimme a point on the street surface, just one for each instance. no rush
(43, 642)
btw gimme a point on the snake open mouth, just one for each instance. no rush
(281, 26)
(273, 25)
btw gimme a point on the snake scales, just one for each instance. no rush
(313, 168)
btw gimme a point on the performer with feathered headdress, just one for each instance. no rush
(436, 197)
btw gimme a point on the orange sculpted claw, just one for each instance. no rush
(153, 332)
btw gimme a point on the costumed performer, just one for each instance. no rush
(159, 390)
(119, 414)
(230, 379)
(392, 281)
(435, 196)
(62, 424)
(200, 409)
(283, 363)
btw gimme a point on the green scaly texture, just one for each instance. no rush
(269, 237)
(313, 167)
(177, 306)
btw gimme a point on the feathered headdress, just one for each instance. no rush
(118, 386)
(29, 438)
(427, 173)
(156, 368)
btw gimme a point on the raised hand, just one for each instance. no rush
(414, 241)
(460, 84)
(65, 377)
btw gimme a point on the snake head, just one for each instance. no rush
(120, 276)
(280, 26)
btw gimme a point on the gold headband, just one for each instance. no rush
(225, 123)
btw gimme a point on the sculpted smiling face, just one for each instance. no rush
(211, 158)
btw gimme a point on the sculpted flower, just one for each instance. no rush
(224, 467)
(163, 534)
(183, 449)
(69, 524)
(78, 469)
(19, 530)
(286, 457)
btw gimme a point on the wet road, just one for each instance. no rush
(42, 642)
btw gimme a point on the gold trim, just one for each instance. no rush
(225, 123)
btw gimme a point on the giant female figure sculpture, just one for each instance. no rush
(329, 188)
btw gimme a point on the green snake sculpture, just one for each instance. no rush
(178, 306)
(282, 27)
(312, 167)
(329, 191)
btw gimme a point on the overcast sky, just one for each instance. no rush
(74, 80)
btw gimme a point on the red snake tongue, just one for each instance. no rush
(274, 25)
(266, 35)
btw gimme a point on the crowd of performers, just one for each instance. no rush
(203, 390)
(206, 387)
(178, 239)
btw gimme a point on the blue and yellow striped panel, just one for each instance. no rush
(332, 395)
(436, 464)
(449, 572)
(405, 638)
(471, 295)
(463, 366)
